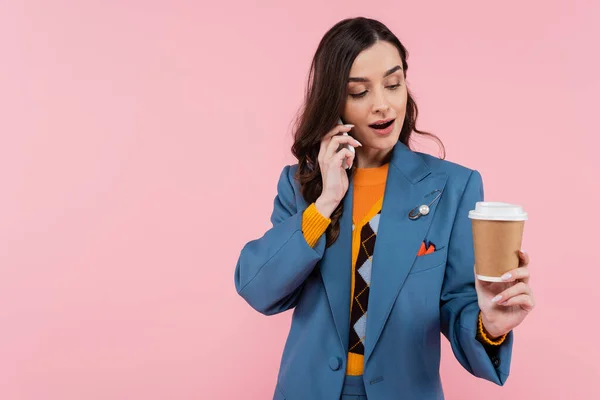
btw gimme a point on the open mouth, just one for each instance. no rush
(382, 126)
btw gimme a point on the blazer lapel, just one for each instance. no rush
(409, 184)
(336, 271)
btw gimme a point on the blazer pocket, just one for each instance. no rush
(429, 261)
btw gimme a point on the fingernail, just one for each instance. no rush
(349, 125)
(506, 276)
(495, 299)
(359, 143)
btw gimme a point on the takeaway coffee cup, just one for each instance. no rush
(497, 236)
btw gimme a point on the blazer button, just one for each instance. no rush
(335, 363)
(496, 362)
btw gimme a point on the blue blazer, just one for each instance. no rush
(412, 299)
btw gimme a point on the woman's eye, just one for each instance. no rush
(357, 95)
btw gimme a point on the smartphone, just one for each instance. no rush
(347, 146)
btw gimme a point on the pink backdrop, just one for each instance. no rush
(141, 142)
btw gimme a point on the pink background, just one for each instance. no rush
(141, 142)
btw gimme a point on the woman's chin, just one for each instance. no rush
(383, 143)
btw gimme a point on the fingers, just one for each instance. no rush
(518, 274)
(341, 156)
(523, 259)
(521, 273)
(520, 288)
(524, 300)
(520, 293)
(337, 130)
(335, 142)
(327, 138)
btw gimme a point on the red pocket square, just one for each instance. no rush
(426, 248)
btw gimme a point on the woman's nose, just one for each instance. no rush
(380, 104)
(381, 108)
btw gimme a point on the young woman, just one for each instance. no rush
(371, 287)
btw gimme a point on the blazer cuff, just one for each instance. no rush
(489, 362)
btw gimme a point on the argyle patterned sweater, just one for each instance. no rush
(369, 188)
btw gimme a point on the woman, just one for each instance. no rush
(372, 288)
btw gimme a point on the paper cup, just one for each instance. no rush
(497, 237)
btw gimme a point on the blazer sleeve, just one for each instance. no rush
(270, 270)
(459, 309)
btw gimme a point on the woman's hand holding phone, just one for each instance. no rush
(334, 158)
(347, 146)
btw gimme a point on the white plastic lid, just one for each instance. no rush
(497, 211)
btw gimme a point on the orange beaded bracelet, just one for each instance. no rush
(486, 339)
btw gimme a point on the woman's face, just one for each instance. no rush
(376, 92)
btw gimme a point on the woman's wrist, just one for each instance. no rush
(489, 329)
(325, 206)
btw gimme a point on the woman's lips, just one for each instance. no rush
(383, 123)
(387, 129)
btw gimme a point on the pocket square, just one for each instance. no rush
(426, 248)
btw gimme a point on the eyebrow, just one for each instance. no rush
(387, 73)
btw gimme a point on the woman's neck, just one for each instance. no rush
(373, 158)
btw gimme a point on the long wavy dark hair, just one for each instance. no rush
(326, 93)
